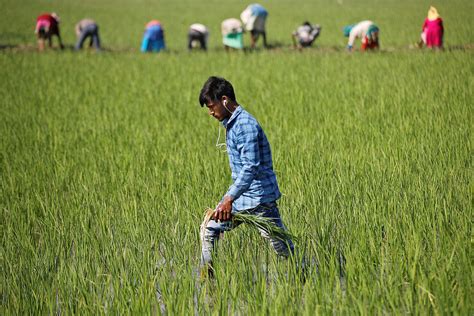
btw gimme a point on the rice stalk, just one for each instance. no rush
(256, 220)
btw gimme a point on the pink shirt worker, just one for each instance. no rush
(433, 30)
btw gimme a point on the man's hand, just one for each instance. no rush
(224, 209)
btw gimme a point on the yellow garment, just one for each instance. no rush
(433, 14)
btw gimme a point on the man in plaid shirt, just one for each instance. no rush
(255, 188)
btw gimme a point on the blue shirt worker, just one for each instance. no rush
(255, 188)
(154, 37)
(87, 28)
(254, 18)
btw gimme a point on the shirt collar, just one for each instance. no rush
(236, 112)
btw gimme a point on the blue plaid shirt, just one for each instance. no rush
(250, 160)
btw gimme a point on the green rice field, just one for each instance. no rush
(107, 163)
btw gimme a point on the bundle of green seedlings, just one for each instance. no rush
(256, 220)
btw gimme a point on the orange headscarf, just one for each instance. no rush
(152, 23)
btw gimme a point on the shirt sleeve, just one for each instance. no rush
(352, 37)
(248, 148)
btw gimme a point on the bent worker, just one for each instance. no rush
(305, 35)
(367, 31)
(433, 30)
(254, 18)
(47, 25)
(153, 37)
(87, 28)
(197, 36)
(232, 34)
(255, 188)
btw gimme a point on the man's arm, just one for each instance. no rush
(355, 32)
(247, 145)
(78, 29)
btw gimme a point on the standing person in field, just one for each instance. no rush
(305, 35)
(47, 25)
(87, 28)
(254, 18)
(154, 37)
(433, 30)
(232, 34)
(367, 31)
(255, 188)
(197, 36)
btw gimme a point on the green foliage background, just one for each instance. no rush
(107, 163)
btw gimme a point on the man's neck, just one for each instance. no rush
(235, 106)
(232, 106)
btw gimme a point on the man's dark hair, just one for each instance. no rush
(214, 89)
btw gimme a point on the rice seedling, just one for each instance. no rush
(254, 220)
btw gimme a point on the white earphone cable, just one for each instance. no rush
(224, 104)
(222, 145)
(219, 145)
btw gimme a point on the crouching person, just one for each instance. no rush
(232, 34)
(47, 25)
(254, 18)
(153, 38)
(305, 35)
(367, 31)
(197, 36)
(255, 188)
(87, 28)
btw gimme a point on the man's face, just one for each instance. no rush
(217, 110)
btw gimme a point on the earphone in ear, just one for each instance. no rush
(224, 103)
